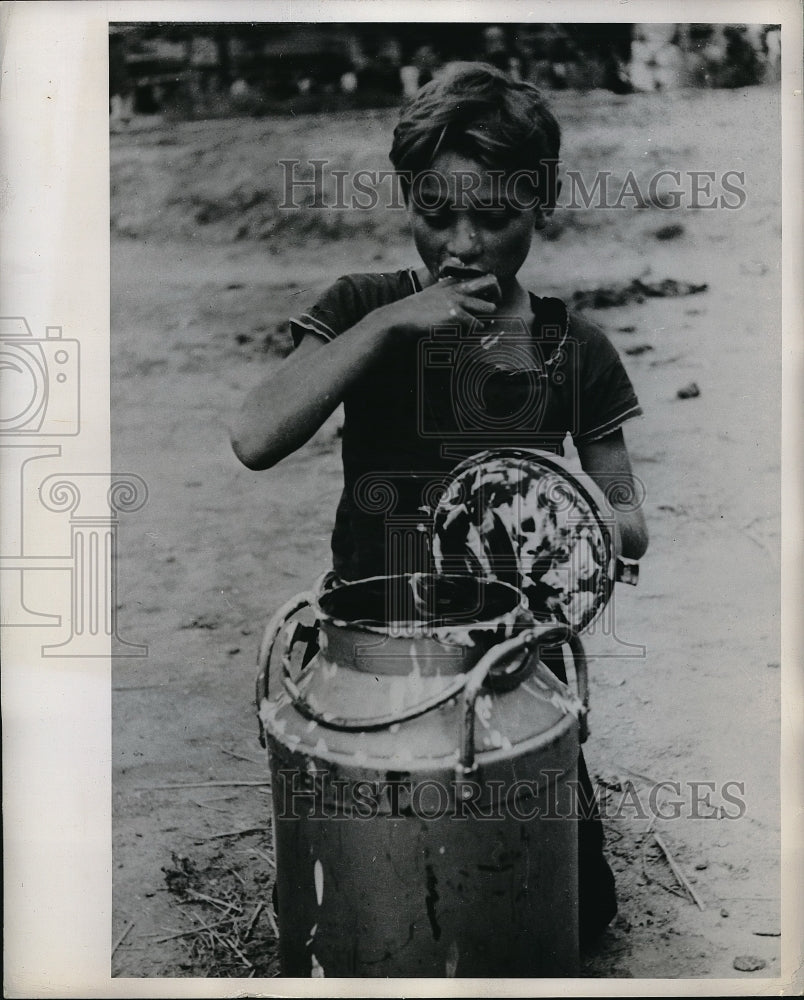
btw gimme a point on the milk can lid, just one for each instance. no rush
(521, 516)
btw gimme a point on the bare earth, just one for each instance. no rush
(199, 302)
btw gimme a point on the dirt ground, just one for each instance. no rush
(205, 271)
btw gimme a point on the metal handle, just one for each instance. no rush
(544, 634)
(272, 630)
(582, 683)
(547, 634)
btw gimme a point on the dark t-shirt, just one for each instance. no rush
(427, 404)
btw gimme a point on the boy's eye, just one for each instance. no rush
(436, 216)
(497, 219)
(440, 218)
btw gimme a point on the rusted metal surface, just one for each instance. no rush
(423, 757)
(440, 843)
(473, 891)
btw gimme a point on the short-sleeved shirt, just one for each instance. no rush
(425, 405)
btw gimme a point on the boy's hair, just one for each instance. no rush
(478, 111)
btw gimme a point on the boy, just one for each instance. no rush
(454, 357)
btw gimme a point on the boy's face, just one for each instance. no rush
(461, 212)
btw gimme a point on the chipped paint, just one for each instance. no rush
(431, 898)
(318, 878)
(267, 712)
(434, 888)
(483, 707)
(451, 964)
(527, 504)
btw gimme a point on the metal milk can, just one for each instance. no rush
(423, 758)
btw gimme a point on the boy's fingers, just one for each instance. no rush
(472, 286)
(481, 284)
(459, 313)
(475, 305)
(487, 287)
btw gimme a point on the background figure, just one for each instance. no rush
(427, 62)
(121, 89)
(610, 46)
(498, 51)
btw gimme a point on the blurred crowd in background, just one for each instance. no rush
(203, 70)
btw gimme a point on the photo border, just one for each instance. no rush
(56, 712)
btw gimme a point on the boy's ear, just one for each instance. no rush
(543, 212)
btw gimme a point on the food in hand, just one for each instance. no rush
(489, 291)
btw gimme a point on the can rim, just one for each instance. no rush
(450, 634)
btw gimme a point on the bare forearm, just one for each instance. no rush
(607, 463)
(288, 407)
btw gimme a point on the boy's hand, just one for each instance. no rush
(618, 538)
(488, 288)
(446, 303)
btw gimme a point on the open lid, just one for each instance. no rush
(520, 516)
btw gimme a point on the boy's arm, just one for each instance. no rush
(290, 404)
(608, 463)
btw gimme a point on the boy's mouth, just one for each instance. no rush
(485, 283)
(453, 268)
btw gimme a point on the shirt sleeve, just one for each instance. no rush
(337, 309)
(608, 398)
(352, 297)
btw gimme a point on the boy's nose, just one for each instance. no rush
(463, 240)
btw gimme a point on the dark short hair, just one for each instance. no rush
(478, 111)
